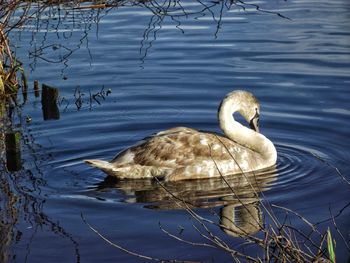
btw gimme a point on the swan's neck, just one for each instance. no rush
(243, 135)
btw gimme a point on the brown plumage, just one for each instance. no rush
(183, 153)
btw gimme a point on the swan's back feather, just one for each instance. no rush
(189, 152)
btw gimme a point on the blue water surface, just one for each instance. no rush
(125, 73)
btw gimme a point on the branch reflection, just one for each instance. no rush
(61, 29)
(22, 182)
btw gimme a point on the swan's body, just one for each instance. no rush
(183, 153)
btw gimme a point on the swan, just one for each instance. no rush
(183, 153)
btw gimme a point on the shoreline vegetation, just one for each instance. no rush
(279, 242)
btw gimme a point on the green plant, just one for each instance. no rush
(330, 246)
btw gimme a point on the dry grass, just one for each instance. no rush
(10, 68)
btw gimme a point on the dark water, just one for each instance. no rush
(166, 70)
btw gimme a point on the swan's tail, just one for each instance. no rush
(119, 171)
(130, 171)
(105, 166)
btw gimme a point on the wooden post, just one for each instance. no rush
(36, 89)
(49, 96)
(13, 151)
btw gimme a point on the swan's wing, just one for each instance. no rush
(169, 131)
(177, 130)
(178, 147)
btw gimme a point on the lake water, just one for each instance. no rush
(125, 73)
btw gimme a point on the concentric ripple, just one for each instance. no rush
(302, 175)
(294, 164)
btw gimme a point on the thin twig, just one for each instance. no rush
(332, 166)
(339, 232)
(129, 251)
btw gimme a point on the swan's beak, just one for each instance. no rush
(254, 123)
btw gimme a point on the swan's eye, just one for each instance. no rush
(257, 115)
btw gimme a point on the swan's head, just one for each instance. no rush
(246, 104)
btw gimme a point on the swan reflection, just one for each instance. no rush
(238, 196)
